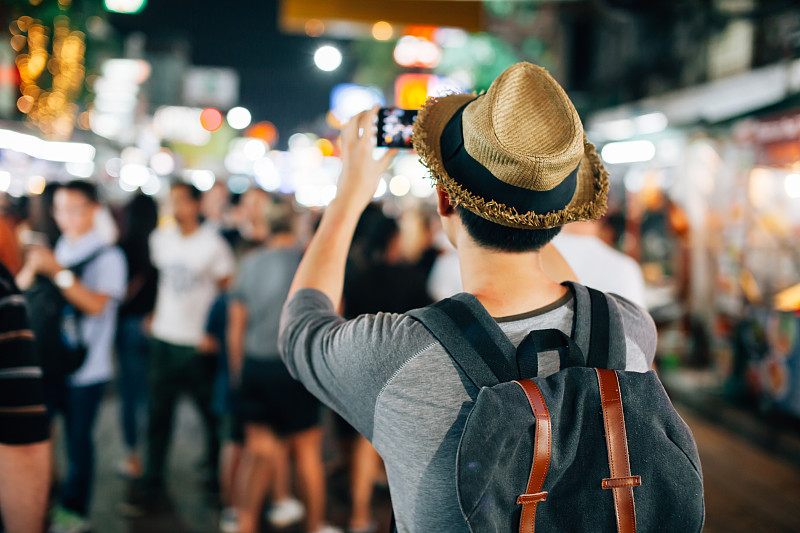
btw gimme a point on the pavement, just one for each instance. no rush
(748, 488)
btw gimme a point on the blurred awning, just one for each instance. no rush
(345, 18)
(714, 102)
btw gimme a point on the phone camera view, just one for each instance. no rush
(395, 127)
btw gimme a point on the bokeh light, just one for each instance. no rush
(238, 183)
(239, 118)
(382, 30)
(152, 186)
(411, 90)
(5, 180)
(265, 130)
(36, 185)
(83, 169)
(327, 58)
(113, 167)
(211, 119)
(381, 190)
(399, 186)
(792, 185)
(350, 99)
(163, 163)
(411, 51)
(134, 175)
(202, 179)
(125, 6)
(326, 147)
(314, 27)
(266, 174)
(254, 149)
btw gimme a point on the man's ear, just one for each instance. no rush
(444, 208)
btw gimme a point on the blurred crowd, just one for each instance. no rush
(184, 298)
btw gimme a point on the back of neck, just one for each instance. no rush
(507, 283)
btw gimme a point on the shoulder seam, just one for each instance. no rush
(397, 372)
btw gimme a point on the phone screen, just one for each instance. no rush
(395, 127)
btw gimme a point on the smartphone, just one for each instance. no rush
(396, 126)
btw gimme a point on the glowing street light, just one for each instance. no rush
(327, 58)
(125, 6)
(628, 152)
(239, 118)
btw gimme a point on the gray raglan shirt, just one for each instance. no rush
(389, 378)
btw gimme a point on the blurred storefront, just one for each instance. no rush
(707, 182)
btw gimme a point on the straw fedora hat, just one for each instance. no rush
(516, 155)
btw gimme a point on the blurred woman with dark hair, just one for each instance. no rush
(139, 219)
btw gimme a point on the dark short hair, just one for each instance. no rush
(280, 217)
(193, 191)
(503, 238)
(87, 189)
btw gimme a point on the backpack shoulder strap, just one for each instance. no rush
(471, 337)
(79, 267)
(592, 328)
(598, 338)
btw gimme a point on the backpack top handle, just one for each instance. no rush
(478, 345)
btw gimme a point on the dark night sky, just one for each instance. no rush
(278, 79)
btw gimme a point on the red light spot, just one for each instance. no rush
(211, 119)
(265, 130)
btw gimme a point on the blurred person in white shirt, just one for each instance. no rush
(599, 265)
(194, 263)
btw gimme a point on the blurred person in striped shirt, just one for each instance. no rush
(25, 455)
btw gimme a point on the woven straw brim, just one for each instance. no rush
(588, 202)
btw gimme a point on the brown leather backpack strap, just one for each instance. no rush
(621, 481)
(541, 457)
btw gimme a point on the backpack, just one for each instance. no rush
(589, 448)
(55, 323)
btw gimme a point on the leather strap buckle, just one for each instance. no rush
(532, 498)
(541, 457)
(618, 482)
(621, 481)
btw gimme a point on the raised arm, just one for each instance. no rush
(323, 264)
(41, 260)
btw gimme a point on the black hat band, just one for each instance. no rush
(477, 179)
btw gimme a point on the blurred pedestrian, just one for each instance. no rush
(251, 229)
(25, 454)
(275, 407)
(41, 214)
(10, 253)
(224, 404)
(215, 207)
(92, 296)
(598, 265)
(194, 263)
(139, 220)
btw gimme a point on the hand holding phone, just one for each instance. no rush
(395, 127)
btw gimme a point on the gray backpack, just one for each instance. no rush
(589, 448)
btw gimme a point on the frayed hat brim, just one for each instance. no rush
(588, 203)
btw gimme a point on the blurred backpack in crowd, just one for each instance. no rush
(589, 448)
(55, 323)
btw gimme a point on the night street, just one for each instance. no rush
(747, 489)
